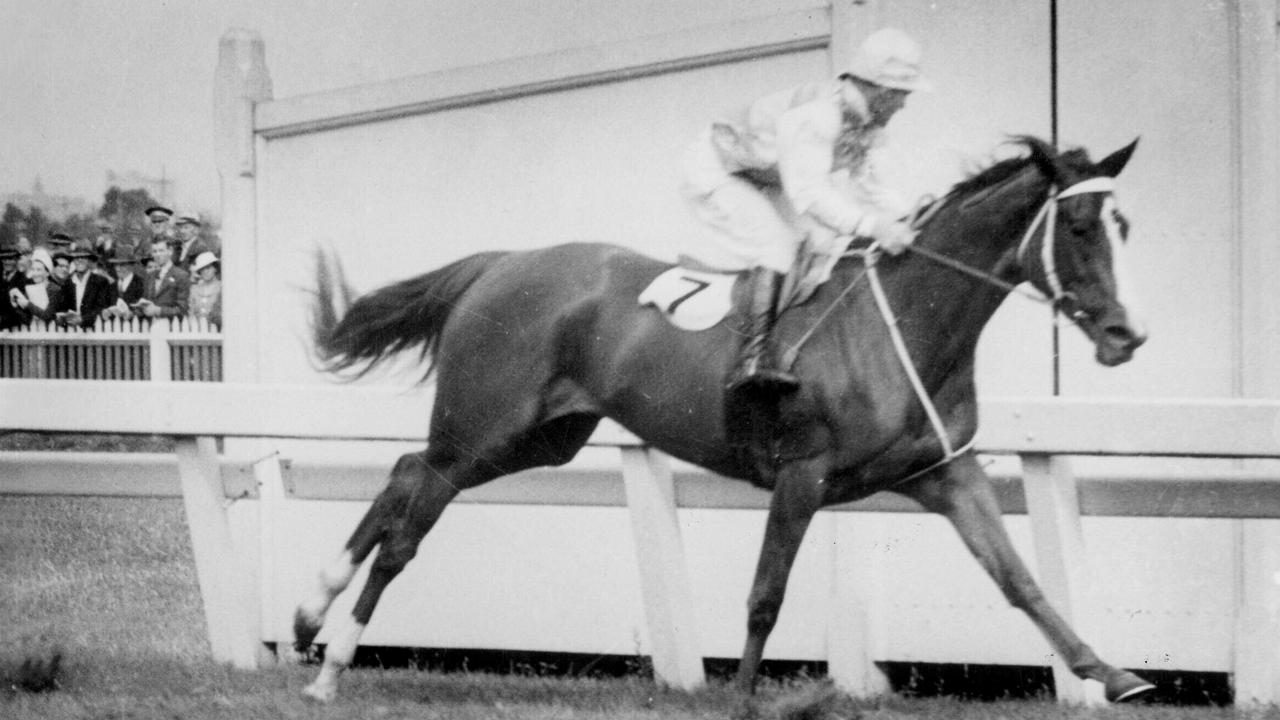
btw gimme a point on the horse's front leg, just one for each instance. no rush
(797, 496)
(962, 492)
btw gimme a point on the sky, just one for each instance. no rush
(88, 86)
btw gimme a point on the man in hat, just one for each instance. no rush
(168, 286)
(60, 250)
(191, 245)
(60, 242)
(24, 254)
(106, 244)
(87, 294)
(795, 170)
(11, 281)
(131, 285)
(159, 221)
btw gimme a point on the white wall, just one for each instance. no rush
(402, 196)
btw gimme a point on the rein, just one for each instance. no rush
(925, 210)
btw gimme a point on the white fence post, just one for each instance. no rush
(158, 349)
(271, 496)
(850, 639)
(241, 80)
(1053, 505)
(664, 575)
(1256, 672)
(225, 586)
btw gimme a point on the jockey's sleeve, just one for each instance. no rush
(879, 195)
(807, 136)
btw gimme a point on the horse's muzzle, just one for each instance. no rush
(1116, 337)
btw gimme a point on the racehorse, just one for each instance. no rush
(531, 349)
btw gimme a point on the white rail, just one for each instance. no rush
(1042, 432)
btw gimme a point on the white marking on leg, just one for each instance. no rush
(1125, 293)
(330, 582)
(337, 658)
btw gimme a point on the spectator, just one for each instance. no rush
(87, 295)
(95, 263)
(59, 242)
(159, 222)
(40, 298)
(206, 292)
(11, 282)
(168, 286)
(191, 245)
(24, 254)
(61, 275)
(131, 284)
(105, 245)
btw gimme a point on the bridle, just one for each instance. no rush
(1046, 216)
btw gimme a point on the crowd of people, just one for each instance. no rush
(72, 282)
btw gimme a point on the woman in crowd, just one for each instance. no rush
(39, 299)
(206, 291)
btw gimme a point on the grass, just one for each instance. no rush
(109, 583)
(84, 442)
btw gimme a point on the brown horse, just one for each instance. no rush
(532, 348)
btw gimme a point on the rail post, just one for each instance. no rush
(271, 496)
(664, 575)
(851, 641)
(240, 82)
(159, 352)
(1256, 675)
(225, 587)
(1053, 505)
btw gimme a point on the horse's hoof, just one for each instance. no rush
(1123, 686)
(321, 693)
(305, 628)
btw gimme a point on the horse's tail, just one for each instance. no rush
(389, 320)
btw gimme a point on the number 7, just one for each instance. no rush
(700, 286)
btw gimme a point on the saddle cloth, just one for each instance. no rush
(691, 299)
(698, 299)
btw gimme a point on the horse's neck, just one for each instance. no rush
(941, 310)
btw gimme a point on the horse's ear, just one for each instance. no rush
(1112, 164)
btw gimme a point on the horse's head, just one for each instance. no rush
(1074, 249)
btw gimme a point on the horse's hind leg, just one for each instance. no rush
(333, 579)
(962, 492)
(400, 517)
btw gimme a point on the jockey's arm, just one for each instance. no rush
(807, 136)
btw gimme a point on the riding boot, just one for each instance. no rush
(757, 367)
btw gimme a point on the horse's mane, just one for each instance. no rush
(1038, 152)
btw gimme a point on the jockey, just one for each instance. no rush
(796, 168)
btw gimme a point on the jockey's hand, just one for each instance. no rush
(893, 235)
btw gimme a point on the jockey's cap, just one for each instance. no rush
(890, 58)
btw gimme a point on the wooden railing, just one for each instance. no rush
(175, 349)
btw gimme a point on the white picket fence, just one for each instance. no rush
(166, 349)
